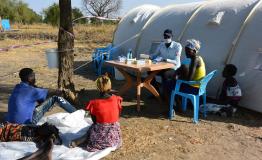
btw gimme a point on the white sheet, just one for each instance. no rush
(70, 126)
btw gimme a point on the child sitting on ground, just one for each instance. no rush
(231, 92)
(105, 111)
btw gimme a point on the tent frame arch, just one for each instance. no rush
(195, 13)
(197, 10)
(241, 31)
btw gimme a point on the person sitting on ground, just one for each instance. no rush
(169, 51)
(196, 69)
(28, 104)
(45, 136)
(231, 91)
(26, 133)
(105, 111)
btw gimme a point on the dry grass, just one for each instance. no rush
(87, 37)
(84, 33)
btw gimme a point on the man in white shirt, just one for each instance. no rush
(168, 51)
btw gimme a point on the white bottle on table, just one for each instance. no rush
(129, 54)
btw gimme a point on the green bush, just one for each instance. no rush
(52, 15)
(76, 13)
(18, 11)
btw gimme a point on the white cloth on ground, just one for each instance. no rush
(70, 126)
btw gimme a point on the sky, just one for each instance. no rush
(39, 5)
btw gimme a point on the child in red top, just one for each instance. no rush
(105, 111)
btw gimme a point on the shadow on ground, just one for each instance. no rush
(88, 70)
(5, 92)
(2, 116)
(150, 108)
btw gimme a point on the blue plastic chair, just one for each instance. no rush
(5, 24)
(194, 98)
(186, 61)
(99, 56)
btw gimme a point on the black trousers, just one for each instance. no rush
(166, 75)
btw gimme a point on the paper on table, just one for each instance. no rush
(144, 56)
(141, 62)
(158, 59)
(121, 59)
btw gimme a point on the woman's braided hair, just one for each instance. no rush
(103, 83)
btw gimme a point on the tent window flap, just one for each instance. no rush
(216, 20)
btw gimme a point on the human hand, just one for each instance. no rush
(58, 92)
(151, 57)
(158, 59)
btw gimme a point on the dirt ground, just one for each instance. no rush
(146, 135)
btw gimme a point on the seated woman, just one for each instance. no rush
(105, 111)
(196, 69)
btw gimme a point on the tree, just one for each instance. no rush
(65, 48)
(18, 11)
(24, 14)
(102, 8)
(77, 14)
(52, 14)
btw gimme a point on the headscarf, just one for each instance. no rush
(193, 44)
(103, 83)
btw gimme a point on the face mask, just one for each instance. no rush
(169, 40)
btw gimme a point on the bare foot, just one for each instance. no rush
(72, 144)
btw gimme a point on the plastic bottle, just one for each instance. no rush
(129, 54)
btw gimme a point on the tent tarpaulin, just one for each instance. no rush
(229, 33)
(130, 26)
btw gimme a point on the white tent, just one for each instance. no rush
(230, 32)
(130, 26)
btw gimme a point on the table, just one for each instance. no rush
(139, 69)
